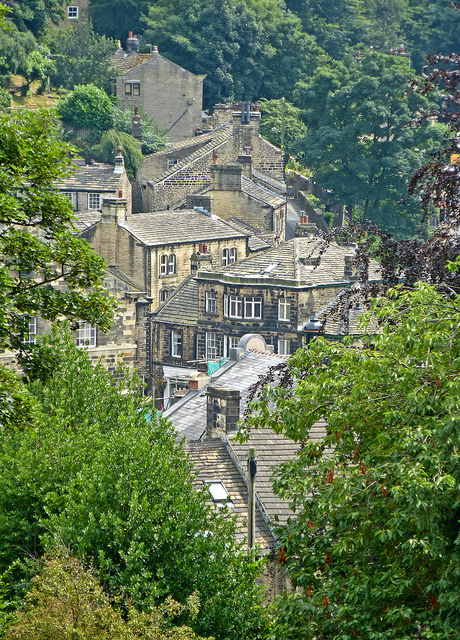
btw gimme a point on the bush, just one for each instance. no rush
(87, 106)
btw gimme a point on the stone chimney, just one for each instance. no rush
(114, 211)
(223, 411)
(246, 126)
(245, 160)
(136, 129)
(304, 228)
(119, 162)
(132, 44)
(351, 271)
(226, 177)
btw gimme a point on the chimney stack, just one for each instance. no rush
(223, 411)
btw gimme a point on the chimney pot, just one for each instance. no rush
(130, 34)
(155, 48)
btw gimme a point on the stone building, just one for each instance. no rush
(88, 185)
(206, 417)
(162, 89)
(273, 293)
(127, 340)
(75, 11)
(158, 250)
(168, 178)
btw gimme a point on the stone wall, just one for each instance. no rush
(169, 93)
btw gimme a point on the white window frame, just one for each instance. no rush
(171, 162)
(284, 346)
(164, 295)
(72, 12)
(163, 265)
(71, 195)
(284, 310)
(171, 263)
(233, 306)
(176, 343)
(233, 342)
(232, 255)
(31, 337)
(211, 301)
(86, 334)
(253, 307)
(214, 344)
(94, 201)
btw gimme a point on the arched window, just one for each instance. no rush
(172, 263)
(164, 294)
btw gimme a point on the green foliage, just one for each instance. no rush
(87, 106)
(15, 48)
(270, 125)
(67, 602)
(115, 18)
(152, 138)
(5, 99)
(374, 544)
(82, 57)
(113, 485)
(106, 150)
(38, 66)
(38, 247)
(247, 49)
(359, 143)
(35, 15)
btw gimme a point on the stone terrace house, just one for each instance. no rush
(273, 293)
(169, 178)
(156, 251)
(127, 339)
(207, 418)
(162, 89)
(88, 185)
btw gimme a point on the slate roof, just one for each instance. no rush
(214, 464)
(85, 219)
(275, 184)
(178, 227)
(202, 139)
(337, 325)
(255, 242)
(293, 264)
(219, 137)
(189, 417)
(98, 178)
(125, 62)
(181, 308)
(262, 194)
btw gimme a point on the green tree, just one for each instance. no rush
(35, 15)
(105, 477)
(106, 149)
(359, 143)
(38, 247)
(247, 49)
(66, 601)
(87, 106)
(271, 122)
(374, 541)
(115, 18)
(81, 57)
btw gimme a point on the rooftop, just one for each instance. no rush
(180, 226)
(97, 177)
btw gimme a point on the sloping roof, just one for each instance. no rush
(262, 194)
(189, 417)
(255, 242)
(214, 464)
(125, 62)
(178, 227)
(219, 137)
(275, 184)
(100, 178)
(200, 140)
(295, 261)
(85, 219)
(181, 308)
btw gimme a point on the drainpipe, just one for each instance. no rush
(252, 469)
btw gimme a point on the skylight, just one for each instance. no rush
(218, 492)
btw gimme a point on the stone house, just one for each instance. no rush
(160, 88)
(88, 185)
(207, 418)
(169, 177)
(273, 293)
(156, 251)
(127, 340)
(75, 11)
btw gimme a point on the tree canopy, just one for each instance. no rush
(98, 472)
(358, 142)
(373, 543)
(45, 268)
